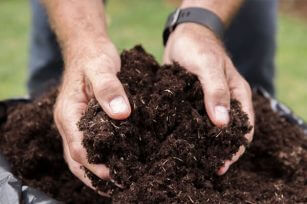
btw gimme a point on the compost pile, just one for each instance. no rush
(167, 151)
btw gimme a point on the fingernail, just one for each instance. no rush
(221, 114)
(223, 169)
(118, 105)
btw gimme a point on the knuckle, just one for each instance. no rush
(101, 173)
(74, 167)
(76, 151)
(250, 136)
(246, 85)
(243, 88)
(229, 64)
(242, 82)
(248, 91)
(59, 110)
(111, 62)
(218, 92)
(107, 85)
(57, 114)
(103, 62)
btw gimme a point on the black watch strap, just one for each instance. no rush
(194, 15)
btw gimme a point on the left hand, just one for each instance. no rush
(198, 50)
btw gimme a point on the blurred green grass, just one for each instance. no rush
(140, 22)
(14, 34)
(292, 64)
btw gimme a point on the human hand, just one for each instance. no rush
(197, 49)
(89, 71)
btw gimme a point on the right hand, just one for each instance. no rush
(88, 72)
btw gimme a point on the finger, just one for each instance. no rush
(228, 163)
(67, 120)
(77, 169)
(241, 91)
(166, 60)
(166, 56)
(110, 94)
(216, 93)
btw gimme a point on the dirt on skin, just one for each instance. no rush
(167, 151)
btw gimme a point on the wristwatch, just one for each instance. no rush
(197, 15)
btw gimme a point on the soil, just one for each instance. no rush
(168, 137)
(167, 151)
(32, 145)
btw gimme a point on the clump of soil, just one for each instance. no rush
(168, 149)
(31, 143)
(159, 164)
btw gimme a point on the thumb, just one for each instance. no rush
(110, 94)
(217, 95)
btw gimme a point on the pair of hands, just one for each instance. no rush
(94, 74)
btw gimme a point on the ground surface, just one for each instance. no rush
(130, 24)
(273, 170)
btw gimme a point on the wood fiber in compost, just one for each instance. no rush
(273, 169)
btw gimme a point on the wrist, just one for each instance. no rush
(83, 39)
(194, 31)
(194, 15)
(85, 48)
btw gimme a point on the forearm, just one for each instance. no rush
(79, 25)
(225, 9)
